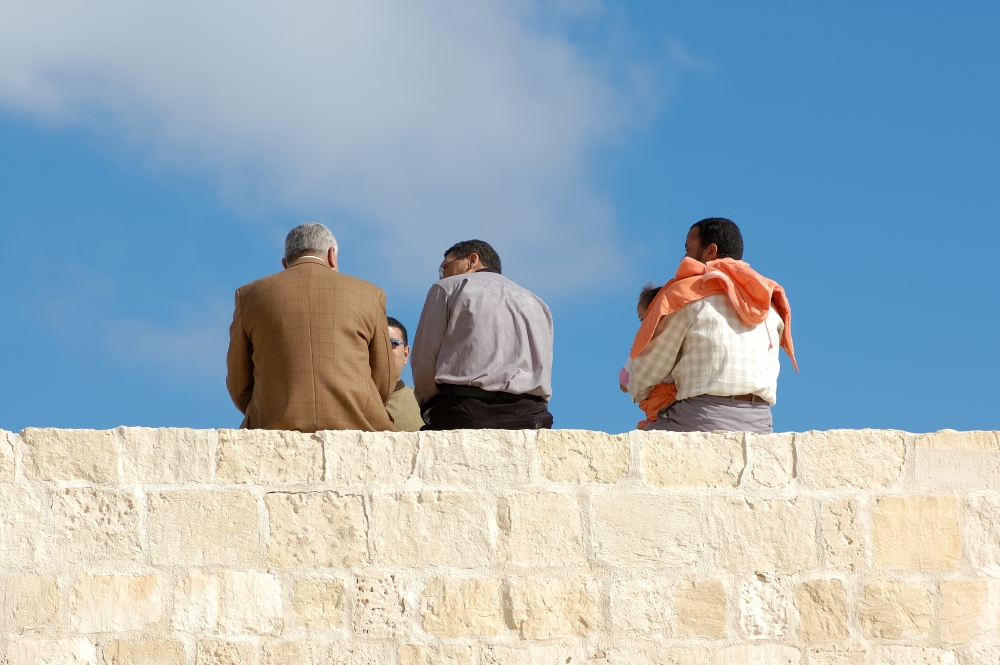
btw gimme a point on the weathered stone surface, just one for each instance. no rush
(920, 533)
(203, 528)
(371, 458)
(476, 457)
(576, 456)
(27, 603)
(761, 654)
(96, 526)
(540, 529)
(260, 456)
(966, 612)
(431, 529)
(822, 607)
(415, 654)
(851, 458)
(895, 610)
(106, 603)
(982, 530)
(167, 455)
(958, 459)
(68, 651)
(225, 652)
(639, 608)
(70, 454)
(152, 652)
(692, 459)
(772, 459)
(647, 530)
(328, 653)
(532, 654)
(763, 536)
(909, 655)
(765, 607)
(949, 439)
(700, 609)
(196, 603)
(21, 524)
(316, 529)
(843, 533)
(838, 655)
(251, 603)
(8, 461)
(545, 608)
(978, 654)
(635, 652)
(318, 603)
(378, 607)
(462, 607)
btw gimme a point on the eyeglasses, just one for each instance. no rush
(446, 264)
(396, 342)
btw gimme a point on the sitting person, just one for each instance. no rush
(402, 405)
(664, 393)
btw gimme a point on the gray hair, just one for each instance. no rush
(311, 237)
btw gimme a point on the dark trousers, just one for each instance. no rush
(457, 412)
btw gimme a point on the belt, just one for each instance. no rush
(479, 393)
(744, 398)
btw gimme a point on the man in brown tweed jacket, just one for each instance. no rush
(309, 347)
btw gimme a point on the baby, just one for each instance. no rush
(663, 394)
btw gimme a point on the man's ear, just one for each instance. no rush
(711, 252)
(284, 264)
(331, 258)
(474, 261)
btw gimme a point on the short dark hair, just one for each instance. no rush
(394, 323)
(724, 233)
(647, 294)
(487, 255)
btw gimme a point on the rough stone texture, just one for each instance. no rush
(765, 607)
(475, 457)
(316, 529)
(462, 607)
(763, 536)
(982, 530)
(252, 604)
(153, 652)
(21, 523)
(378, 606)
(415, 654)
(27, 603)
(772, 459)
(203, 528)
(105, 603)
(371, 458)
(328, 653)
(431, 529)
(167, 455)
(96, 525)
(966, 612)
(843, 533)
(838, 655)
(543, 529)
(225, 652)
(196, 602)
(577, 456)
(635, 652)
(68, 651)
(70, 454)
(850, 458)
(700, 609)
(545, 608)
(640, 607)
(979, 654)
(8, 460)
(762, 654)
(692, 459)
(958, 459)
(895, 610)
(647, 530)
(822, 608)
(906, 655)
(261, 456)
(920, 533)
(318, 603)
(532, 654)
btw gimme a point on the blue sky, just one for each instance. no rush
(151, 163)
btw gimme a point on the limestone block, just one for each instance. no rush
(577, 456)
(545, 608)
(329, 653)
(958, 459)
(476, 457)
(647, 530)
(822, 607)
(909, 655)
(639, 608)
(152, 652)
(316, 529)
(851, 458)
(268, 457)
(978, 654)
(96, 526)
(196, 603)
(462, 607)
(318, 603)
(533, 654)
(763, 536)
(700, 608)
(540, 529)
(224, 652)
(8, 464)
(843, 533)
(431, 529)
(371, 458)
(692, 459)
(415, 654)
(252, 603)
(203, 528)
(68, 651)
(70, 454)
(21, 524)
(761, 654)
(765, 605)
(636, 652)
(839, 655)
(27, 602)
(378, 606)
(106, 603)
(167, 455)
(772, 459)
(920, 533)
(895, 610)
(982, 530)
(966, 612)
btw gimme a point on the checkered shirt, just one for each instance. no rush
(708, 351)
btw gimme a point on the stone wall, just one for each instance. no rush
(171, 547)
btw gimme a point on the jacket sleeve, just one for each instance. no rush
(380, 353)
(239, 361)
(427, 344)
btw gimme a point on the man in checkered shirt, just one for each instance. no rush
(726, 371)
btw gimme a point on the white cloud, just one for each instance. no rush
(432, 121)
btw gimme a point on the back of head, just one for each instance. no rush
(396, 323)
(310, 238)
(724, 233)
(487, 255)
(647, 294)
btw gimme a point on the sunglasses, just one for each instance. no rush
(396, 342)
